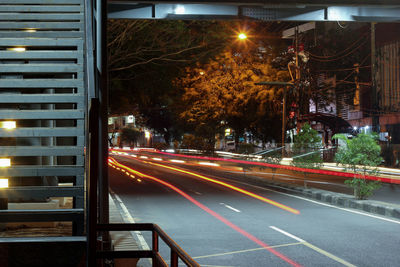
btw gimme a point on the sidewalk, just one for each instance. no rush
(121, 240)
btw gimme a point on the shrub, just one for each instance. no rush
(361, 155)
(306, 146)
(246, 148)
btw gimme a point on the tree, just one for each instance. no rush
(307, 144)
(130, 136)
(222, 93)
(146, 55)
(360, 154)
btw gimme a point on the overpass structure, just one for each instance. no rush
(53, 92)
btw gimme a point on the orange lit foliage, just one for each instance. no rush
(224, 90)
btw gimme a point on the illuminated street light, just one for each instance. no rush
(8, 125)
(242, 36)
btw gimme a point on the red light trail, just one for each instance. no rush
(278, 166)
(209, 211)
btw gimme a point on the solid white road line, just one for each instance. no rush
(287, 234)
(317, 249)
(230, 207)
(128, 218)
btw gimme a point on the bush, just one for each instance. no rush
(191, 141)
(361, 155)
(306, 146)
(246, 148)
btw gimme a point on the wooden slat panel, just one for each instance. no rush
(41, 98)
(21, 171)
(40, 68)
(42, 34)
(42, 114)
(42, 132)
(41, 2)
(40, 17)
(40, 8)
(41, 25)
(41, 83)
(40, 151)
(51, 54)
(40, 215)
(40, 42)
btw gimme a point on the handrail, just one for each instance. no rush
(313, 152)
(267, 151)
(176, 251)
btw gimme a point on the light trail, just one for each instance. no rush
(291, 168)
(209, 211)
(264, 199)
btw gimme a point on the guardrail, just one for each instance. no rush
(176, 251)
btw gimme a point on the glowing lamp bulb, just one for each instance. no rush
(242, 36)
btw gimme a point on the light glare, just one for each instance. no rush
(3, 183)
(17, 49)
(242, 36)
(8, 125)
(5, 162)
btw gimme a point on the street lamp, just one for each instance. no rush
(242, 36)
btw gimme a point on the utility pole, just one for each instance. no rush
(374, 100)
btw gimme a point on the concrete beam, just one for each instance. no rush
(325, 11)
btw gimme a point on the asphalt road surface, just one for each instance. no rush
(225, 222)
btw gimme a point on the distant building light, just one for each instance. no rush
(3, 183)
(131, 119)
(8, 125)
(147, 134)
(5, 162)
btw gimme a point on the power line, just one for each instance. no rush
(342, 56)
(347, 48)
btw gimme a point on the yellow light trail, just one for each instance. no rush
(266, 200)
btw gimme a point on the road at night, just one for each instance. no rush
(239, 224)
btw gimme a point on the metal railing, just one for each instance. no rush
(176, 251)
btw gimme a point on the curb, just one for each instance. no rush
(336, 199)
